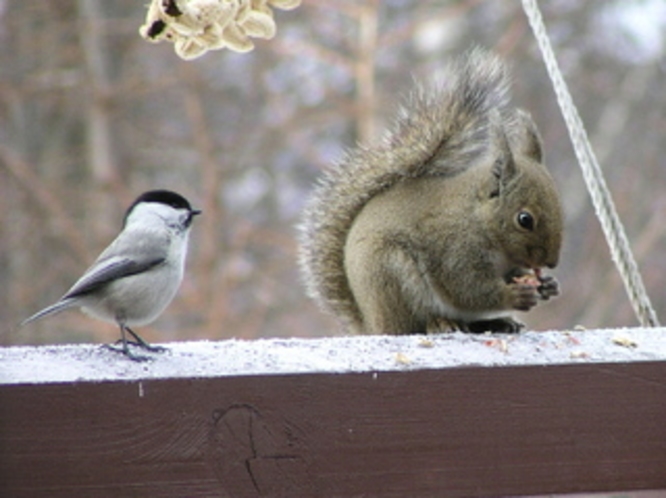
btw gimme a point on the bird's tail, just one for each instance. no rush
(54, 308)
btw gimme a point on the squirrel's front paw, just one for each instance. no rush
(548, 287)
(523, 296)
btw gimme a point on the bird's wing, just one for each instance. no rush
(107, 271)
(128, 255)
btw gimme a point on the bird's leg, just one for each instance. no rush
(124, 349)
(138, 341)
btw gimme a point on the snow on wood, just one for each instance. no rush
(70, 363)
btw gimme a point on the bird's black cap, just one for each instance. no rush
(167, 197)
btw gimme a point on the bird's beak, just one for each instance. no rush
(195, 212)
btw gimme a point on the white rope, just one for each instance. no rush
(596, 185)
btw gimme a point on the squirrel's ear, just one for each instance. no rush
(526, 139)
(503, 167)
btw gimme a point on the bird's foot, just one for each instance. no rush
(124, 349)
(139, 342)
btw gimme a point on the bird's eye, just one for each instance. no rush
(525, 220)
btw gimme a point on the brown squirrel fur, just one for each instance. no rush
(446, 222)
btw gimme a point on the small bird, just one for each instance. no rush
(138, 274)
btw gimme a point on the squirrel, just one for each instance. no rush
(446, 223)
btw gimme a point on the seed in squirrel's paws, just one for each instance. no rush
(527, 279)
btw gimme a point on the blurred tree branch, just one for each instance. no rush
(47, 200)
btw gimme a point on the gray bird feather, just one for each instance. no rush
(122, 258)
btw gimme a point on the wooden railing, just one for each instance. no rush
(443, 416)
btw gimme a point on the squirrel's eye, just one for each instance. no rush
(525, 220)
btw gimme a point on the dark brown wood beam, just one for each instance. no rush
(474, 430)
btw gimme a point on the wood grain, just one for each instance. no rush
(452, 432)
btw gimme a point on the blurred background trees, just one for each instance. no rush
(91, 115)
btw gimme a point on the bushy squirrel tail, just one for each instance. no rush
(439, 130)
